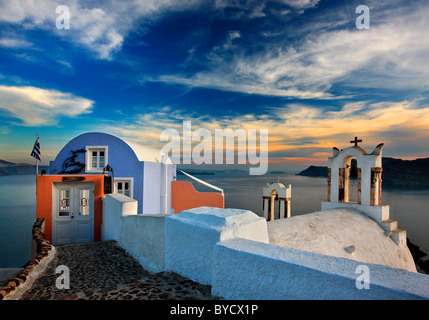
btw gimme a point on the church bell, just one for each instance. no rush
(108, 179)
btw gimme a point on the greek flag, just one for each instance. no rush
(36, 150)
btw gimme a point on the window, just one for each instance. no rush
(124, 186)
(64, 203)
(96, 158)
(84, 202)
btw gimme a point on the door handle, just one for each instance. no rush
(72, 216)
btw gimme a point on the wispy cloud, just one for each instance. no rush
(14, 43)
(103, 26)
(392, 54)
(300, 4)
(40, 107)
(299, 132)
(100, 26)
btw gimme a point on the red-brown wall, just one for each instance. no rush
(184, 196)
(44, 200)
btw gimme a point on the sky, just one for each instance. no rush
(299, 68)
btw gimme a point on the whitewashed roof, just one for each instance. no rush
(145, 153)
(345, 233)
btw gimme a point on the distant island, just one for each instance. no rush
(195, 172)
(10, 168)
(397, 173)
(314, 171)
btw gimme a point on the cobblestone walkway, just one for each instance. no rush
(104, 271)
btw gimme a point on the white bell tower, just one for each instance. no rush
(369, 186)
(274, 193)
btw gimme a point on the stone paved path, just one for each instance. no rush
(104, 271)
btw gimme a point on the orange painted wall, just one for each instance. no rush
(44, 200)
(184, 196)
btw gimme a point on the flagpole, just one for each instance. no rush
(37, 155)
(37, 170)
(37, 173)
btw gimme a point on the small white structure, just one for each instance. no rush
(369, 186)
(344, 233)
(369, 175)
(191, 236)
(273, 192)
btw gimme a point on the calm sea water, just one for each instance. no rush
(18, 214)
(409, 207)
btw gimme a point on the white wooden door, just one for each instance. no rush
(73, 213)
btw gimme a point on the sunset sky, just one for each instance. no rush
(299, 68)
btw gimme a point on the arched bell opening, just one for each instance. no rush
(349, 189)
(276, 201)
(274, 197)
(355, 176)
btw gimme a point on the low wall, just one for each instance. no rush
(245, 269)
(115, 206)
(191, 236)
(143, 236)
(229, 250)
(45, 252)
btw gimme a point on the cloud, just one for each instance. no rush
(395, 124)
(103, 26)
(40, 107)
(301, 132)
(100, 26)
(250, 9)
(300, 4)
(14, 43)
(391, 55)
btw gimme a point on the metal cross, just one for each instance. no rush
(356, 141)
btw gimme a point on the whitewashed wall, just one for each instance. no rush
(115, 206)
(143, 236)
(229, 250)
(191, 237)
(245, 269)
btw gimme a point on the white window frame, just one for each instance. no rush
(88, 158)
(130, 181)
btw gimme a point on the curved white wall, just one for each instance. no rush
(245, 269)
(208, 245)
(191, 237)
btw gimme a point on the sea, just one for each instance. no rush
(242, 191)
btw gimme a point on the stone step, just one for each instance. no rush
(389, 225)
(399, 236)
